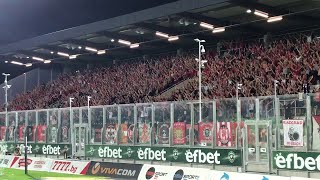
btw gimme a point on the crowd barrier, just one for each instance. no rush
(131, 171)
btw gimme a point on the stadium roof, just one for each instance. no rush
(162, 29)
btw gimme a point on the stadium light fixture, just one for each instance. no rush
(47, 61)
(28, 65)
(5, 61)
(173, 38)
(17, 63)
(112, 40)
(249, 11)
(38, 59)
(51, 52)
(161, 34)
(28, 57)
(63, 54)
(124, 42)
(261, 13)
(91, 49)
(274, 19)
(134, 45)
(79, 47)
(206, 25)
(101, 52)
(73, 57)
(220, 29)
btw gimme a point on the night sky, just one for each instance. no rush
(22, 19)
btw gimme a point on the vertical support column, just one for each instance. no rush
(277, 113)
(59, 126)
(38, 77)
(191, 130)
(89, 124)
(119, 125)
(308, 123)
(103, 125)
(214, 119)
(25, 83)
(238, 122)
(171, 124)
(80, 115)
(257, 114)
(135, 124)
(72, 133)
(152, 133)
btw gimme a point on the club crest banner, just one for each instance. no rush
(111, 133)
(144, 133)
(163, 133)
(205, 133)
(293, 132)
(179, 133)
(316, 132)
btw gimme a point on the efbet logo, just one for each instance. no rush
(296, 162)
(91, 151)
(197, 156)
(231, 156)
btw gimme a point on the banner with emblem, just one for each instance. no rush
(111, 133)
(163, 133)
(293, 132)
(42, 133)
(224, 134)
(144, 133)
(205, 133)
(21, 133)
(179, 133)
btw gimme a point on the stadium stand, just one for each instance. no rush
(292, 60)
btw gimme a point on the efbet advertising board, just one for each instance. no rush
(229, 157)
(306, 161)
(114, 170)
(41, 149)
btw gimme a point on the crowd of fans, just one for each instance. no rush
(293, 62)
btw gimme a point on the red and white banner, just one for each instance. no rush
(34, 163)
(293, 132)
(224, 134)
(179, 133)
(2, 132)
(69, 167)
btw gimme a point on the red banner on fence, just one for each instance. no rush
(144, 133)
(224, 134)
(179, 133)
(3, 132)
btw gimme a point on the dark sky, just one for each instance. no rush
(22, 19)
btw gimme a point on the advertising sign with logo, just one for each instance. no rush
(34, 163)
(163, 133)
(42, 149)
(179, 133)
(69, 167)
(222, 175)
(293, 132)
(166, 154)
(5, 161)
(307, 161)
(224, 134)
(114, 170)
(149, 172)
(144, 133)
(184, 173)
(205, 133)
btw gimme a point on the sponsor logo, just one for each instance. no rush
(45, 149)
(180, 175)
(201, 157)
(294, 161)
(105, 170)
(225, 176)
(109, 152)
(148, 153)
(22, 163)
(231, 156)
(153, 174)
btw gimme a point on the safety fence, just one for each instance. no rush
(129, 171)
(258, 134)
